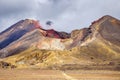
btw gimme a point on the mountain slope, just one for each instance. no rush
(36, 39)
(22, 27)
(103, 40)
(16, 31)
(96, 47)
(105, 29)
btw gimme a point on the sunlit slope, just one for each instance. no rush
(36, 58)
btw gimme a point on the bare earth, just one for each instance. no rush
(36, 74)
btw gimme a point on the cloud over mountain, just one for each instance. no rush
(67, 14)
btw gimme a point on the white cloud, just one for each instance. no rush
(43, 1)
(65, 14)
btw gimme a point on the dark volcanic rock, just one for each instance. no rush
(6, 65)
(64, 35)
(79, 36)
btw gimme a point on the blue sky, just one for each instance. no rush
(66, 15)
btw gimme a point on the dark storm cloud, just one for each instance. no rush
(66, 14)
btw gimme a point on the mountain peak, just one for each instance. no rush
(34, 22)
(17, 30)
(107, 19)
(102, 19)
(107, 16)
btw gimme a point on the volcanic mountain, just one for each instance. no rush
(16, 31)
(22, 27)
(100, 41)
(27, 44)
